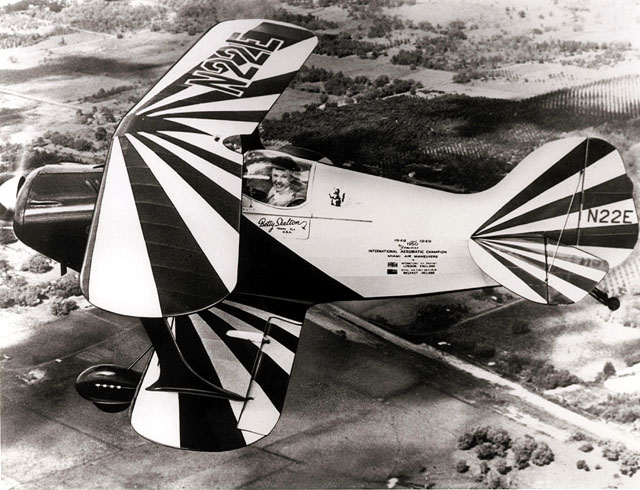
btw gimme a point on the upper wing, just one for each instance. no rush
(164, 237)
(239, 348)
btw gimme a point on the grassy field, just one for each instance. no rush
(353, 66)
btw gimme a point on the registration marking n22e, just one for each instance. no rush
(232, 67)
(614, 216)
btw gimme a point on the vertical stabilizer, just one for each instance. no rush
(566, 216)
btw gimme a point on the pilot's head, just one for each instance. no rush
(281, 172)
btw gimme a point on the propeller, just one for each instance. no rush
(9, 195)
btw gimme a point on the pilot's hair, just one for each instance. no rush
(284, 162)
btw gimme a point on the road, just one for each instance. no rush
(41, 100)
(599, 428)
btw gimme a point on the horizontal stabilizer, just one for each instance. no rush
(540, 270)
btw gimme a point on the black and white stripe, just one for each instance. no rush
(165, 235)
(256, 364)
(547, 243)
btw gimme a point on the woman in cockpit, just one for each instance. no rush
(286, 190)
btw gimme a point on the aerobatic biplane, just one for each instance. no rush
(221, 248)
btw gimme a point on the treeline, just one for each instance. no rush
(383, 25)
(65, 140)
(112, 17)
(535, 372)
(435, 52)
(360, 87)
(196, 16)
(308, 21)
(22, 5)
(18, 29)
(103, 94)
(357, 9)
(191, 16)
(620, 408)
(13, 157)
(450, 49)
(344, 44)
(395, 137)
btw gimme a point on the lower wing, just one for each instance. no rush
(233, 364)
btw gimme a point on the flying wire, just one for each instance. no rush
(566, 220)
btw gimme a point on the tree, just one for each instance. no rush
(466, 441)
(502, 467)
(487, 450)
(101, 134)
(523, 448)
(608, 370)
(38, 264)
(542, 455)
(381, 81)
(108, 115)
(63, 307)
(499, 437)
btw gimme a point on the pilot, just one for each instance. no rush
(282, 192)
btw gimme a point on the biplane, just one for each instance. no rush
(220, 245)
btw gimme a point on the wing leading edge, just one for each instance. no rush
(165, 233)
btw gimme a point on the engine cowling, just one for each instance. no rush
(54, 208)
(111, 388)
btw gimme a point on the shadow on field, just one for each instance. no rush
(75, 65)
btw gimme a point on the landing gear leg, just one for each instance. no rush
(612, 303)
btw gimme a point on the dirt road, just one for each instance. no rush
(598, 428)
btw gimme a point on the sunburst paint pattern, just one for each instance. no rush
(164, 239)
(238, 347)
(558, 235)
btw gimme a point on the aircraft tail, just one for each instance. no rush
(562, 219)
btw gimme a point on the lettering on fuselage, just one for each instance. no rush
(231, 68)
(285, 226)
(411, 257)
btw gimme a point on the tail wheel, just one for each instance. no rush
(610, 302)
(613, 304)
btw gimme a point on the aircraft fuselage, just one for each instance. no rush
(354, 236)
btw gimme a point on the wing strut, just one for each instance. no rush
(175, 374)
